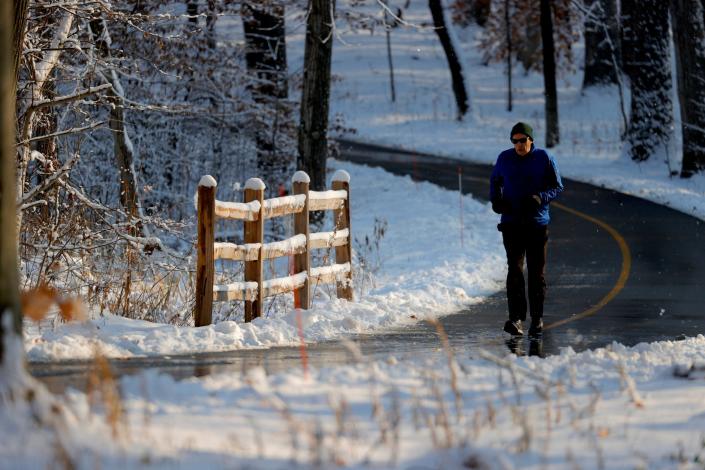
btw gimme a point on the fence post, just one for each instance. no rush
(343, 254)
(205, 269)
(254, 233)
(302, 262)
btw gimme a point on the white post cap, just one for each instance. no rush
(341, 175)
(300, 177)
(207, 181)
(255, 183)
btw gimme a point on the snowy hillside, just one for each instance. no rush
(422, 118)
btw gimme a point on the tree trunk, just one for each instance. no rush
(389, 23)
(192, 11)
(601, 43)
(646, 55)
(47, 124)
(315, 96)
(18, 32)
(265, 54)
(508, 27)
(124, 156)
(549, 75)
(10, 51)
(42, 68)
(123, 150)
(456, 70)
(265, 48)
(480, 10)
(689, 40)
(211, 17)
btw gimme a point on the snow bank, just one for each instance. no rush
(614, 407)
(420, 273)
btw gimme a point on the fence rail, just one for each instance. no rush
(254, 211)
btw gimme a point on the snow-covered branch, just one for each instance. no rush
(43, 68)
(62, 100)
(48, 183)
(74, 130)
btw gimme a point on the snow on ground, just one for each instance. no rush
(419, 270)
(615, 407)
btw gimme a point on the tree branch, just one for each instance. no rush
(49, 182)
(73, 130)
(69, 98)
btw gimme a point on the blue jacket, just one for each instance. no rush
(516, 179)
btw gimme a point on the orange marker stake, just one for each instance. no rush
(302, 348)
(416, 171)
(460, 191)
(299, 323)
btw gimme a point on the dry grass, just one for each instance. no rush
(104, 394)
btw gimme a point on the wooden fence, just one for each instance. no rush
(254, 211)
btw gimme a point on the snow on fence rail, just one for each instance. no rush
(254, 211)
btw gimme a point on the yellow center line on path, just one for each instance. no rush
(623, 275)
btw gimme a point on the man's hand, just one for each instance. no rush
(530, 203)
(501, 206)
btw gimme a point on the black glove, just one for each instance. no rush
(530, 204)
(501, 206)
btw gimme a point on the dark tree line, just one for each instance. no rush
(549, 74)
(646, 53)
(623, 38)
(688, 17)
(647, 56)
(602, 44)
(638, 42)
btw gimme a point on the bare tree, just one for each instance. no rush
(508, 26)
(601, 43)
(122, 145)
(20, 8)
(265, 54)
(390, 22)
(454, 65)
(315, 96)
(646, 55)
(190, 109)
(689, 39)
(192, 11)
(549, 75)
(523, 31)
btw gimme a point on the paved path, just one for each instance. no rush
(620, 269)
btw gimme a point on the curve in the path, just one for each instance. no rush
(623, 274)
(620, 268)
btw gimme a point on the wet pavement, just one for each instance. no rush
(663, 296)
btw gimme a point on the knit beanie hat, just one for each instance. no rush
(522, 128)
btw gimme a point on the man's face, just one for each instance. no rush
(522, 144)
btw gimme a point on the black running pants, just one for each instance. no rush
(525, 242)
